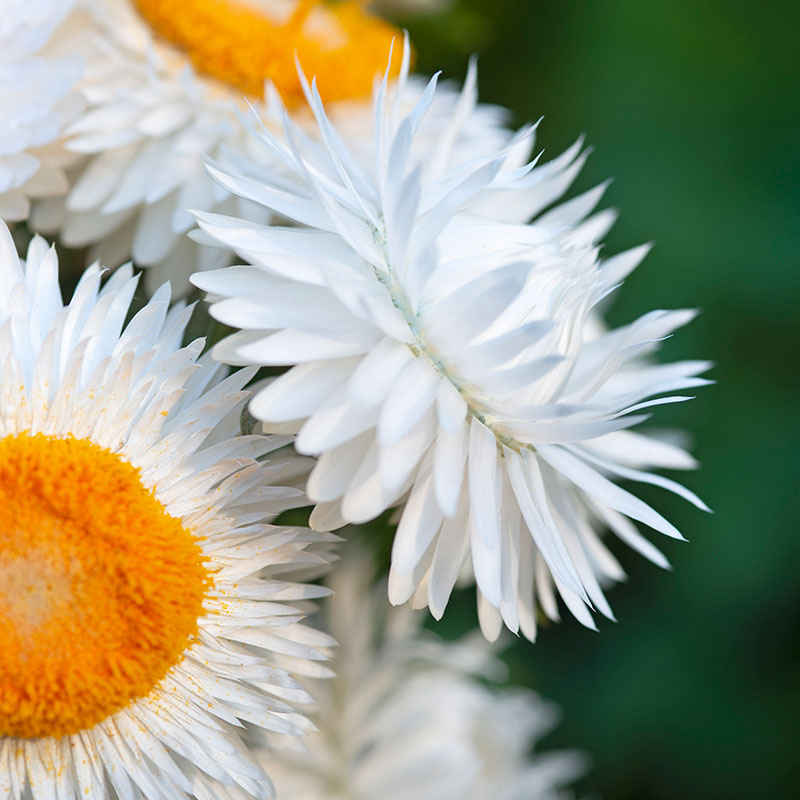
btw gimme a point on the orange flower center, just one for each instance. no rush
(100, 589)
(241, 45)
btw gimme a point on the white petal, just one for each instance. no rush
(335, 468)
(596, 485)
(335, 422)
(489, 617)
(397, 461)
(451, 550)
(451, 407)
(413, 394)
(373, 378)
(523, 474)
(485, 499)
(450, 453)
(289, 347)
(301, 391)
(419, 524)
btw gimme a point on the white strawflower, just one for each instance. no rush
(165, 80)
(37, 101)
(409, 715)
(144, 607)
(450, 358)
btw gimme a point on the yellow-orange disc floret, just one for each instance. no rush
(100, 588)
(232, 41)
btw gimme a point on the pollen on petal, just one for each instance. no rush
(100, 589)
(236, 43)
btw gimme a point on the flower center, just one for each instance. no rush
(242, 45)
(100, 589)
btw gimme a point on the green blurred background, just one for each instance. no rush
(694, 108)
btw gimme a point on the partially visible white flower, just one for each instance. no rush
(37, 101)
(409, 715)
(148, 602)
(155, 114)
(450, 357)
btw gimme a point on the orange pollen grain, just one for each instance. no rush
(100, 588)
(241, 45)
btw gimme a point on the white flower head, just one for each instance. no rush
(449, 357)
(164, 81)
(410, 715)
(147, 615)
(37, 102)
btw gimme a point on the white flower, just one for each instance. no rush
(157, 107)
(408, 716)
(37, 101)
(450, 358)
(142, 588)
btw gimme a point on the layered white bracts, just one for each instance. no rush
(409, 715)
(150, 123)
(37, 101)
(76, 370)
(448, 357)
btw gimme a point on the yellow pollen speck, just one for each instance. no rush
(100, 589)
(233, 41)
